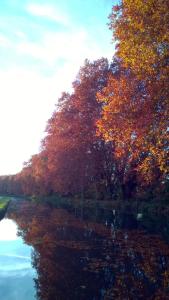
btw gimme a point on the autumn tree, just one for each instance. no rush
(140, 29)
(75, 153)
(136, 106)
(123, 102)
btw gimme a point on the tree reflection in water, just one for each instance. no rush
(78, 259)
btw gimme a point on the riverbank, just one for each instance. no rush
(150, 215)
(4, 202)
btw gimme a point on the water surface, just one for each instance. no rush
(16, 272)
(78, 259)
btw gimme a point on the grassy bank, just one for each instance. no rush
(4, 201)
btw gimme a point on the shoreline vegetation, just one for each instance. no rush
(4, 202)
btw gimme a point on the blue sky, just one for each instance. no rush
(42, 46)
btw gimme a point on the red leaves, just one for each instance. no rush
(71, 145)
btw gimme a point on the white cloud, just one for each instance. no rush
(27, 100)
(20, 34)
(73, 46)
(4, 41)
(48, 12)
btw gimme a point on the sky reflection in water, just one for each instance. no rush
(16, 272)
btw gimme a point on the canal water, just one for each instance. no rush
(16, 272)
(51, 254)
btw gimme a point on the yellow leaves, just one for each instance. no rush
(156, 159)
(166, 279)
(140, 28)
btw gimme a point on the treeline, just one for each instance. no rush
(109, 137)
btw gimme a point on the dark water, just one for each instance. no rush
(81, 259)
